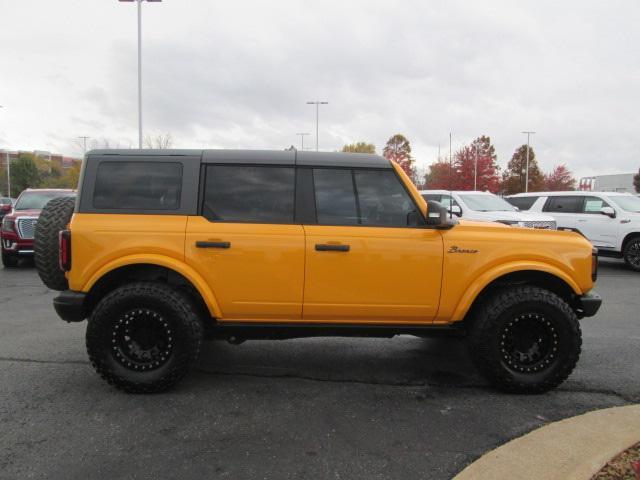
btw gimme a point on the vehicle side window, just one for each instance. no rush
(382, 199)
(138, 185)
(564, 204)
(449, 201)
(523, 203)
(249, 193)
(335, 197)
(594, 205)
(362, 197)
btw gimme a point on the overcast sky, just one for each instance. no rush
(237, 75)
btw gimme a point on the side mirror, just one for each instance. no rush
(438, 216)
(608, 211)
(456, 210)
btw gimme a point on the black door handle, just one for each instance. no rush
(324, 247)
(203, 244)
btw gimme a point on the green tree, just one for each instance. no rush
(398, 150)
(636, 181)
(513, 178)
(24, 174)
(359, 147)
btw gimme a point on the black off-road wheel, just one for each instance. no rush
(525, 339)
(631, 254)
(144, 337)
(55, 216)
(9, 260)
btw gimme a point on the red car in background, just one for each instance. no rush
(6, 204)
(19, 226)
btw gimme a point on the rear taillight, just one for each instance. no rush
(64, 257)
(594, 264)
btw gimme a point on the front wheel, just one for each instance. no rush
(525, 339)
(144, 337)
(9, 260)
(631, 254)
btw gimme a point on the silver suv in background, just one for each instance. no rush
(609, 220)
(487, 207)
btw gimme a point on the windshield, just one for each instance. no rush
(37, 200)
(630, 204)
(486, 203)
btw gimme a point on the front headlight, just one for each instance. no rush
(8, 224)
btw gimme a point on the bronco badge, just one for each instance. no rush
(455, 249)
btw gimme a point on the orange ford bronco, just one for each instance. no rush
(162, 249)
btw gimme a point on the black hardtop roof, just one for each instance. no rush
(261, 157)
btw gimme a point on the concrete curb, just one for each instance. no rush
(572, 449)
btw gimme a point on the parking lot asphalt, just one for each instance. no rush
(311, 408)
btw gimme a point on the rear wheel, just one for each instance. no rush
(631, 254)
(9, 260)
(525, 339)
(144, 337)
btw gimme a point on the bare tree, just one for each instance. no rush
(160, 142)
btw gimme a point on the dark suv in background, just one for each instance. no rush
(18, 226)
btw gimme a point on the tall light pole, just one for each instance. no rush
(8, 169)
(475, 171)
(317, 103)
(84, 145)
(526, 175)
(139, 2)
(302, 135)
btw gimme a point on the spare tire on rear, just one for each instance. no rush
(55, 216)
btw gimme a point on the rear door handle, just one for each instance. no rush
(325, 247)
(203, 244)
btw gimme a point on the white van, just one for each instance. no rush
(609, 220)
(487, 207)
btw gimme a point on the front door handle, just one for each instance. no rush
(325, 247)
(203, 244)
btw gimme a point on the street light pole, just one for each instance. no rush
(302, 135)
(140, 74)
(317, 103)
(84, 145)
(139, 2)
(8, 169)
(475, 171)
(526, 176)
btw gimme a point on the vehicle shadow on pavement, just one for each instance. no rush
(403, 360)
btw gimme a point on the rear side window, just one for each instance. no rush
(248, 193)
(138, 185)
(563, 204)
(523, 203)
(362, 197)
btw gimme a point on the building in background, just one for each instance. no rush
(619, 182)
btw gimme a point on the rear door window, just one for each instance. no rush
(249, 194)
(138, 186)
(564, 204)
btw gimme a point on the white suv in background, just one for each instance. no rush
(487, 207)
(610, 220)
